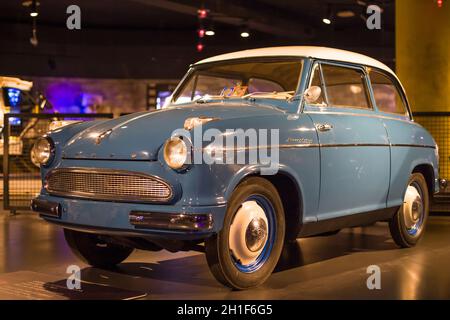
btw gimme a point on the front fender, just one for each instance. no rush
(255, 170)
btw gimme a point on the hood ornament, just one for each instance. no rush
(102, 136)
(191, 123)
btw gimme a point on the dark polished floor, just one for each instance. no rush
(332, 267)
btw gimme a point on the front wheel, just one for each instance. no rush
(94, 251)
(245, 252)
(408, 224)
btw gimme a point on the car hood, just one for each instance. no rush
(140, 135)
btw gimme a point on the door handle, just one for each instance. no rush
(323, 127)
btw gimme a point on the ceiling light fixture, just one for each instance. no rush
(245, 32)
(33, 5)
(209, 30)
(327, 19)
(34, 12)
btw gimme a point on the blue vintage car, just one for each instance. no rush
(342, 146)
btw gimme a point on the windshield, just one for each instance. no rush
(269, 79)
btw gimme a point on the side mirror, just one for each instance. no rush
(312, 94)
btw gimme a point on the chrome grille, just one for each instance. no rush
(103, 184)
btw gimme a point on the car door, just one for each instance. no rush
(354, 146)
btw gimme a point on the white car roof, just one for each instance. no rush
(303, 51)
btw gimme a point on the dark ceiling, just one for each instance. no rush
(135, 23)
(181, 14)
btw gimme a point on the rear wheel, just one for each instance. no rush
(408, 224)
(245, 252)
(94, 251)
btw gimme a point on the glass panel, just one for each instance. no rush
(275, 79)
(345, 87)
(213, 85)
(186, 95)
(386, 95)
(262, 85)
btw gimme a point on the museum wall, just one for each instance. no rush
(422, 53)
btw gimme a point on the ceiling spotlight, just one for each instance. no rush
(200, 47)
(245, 32)
(327, 18)
(34, 12)
(209, 30)
(33, 5)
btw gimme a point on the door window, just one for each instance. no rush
(341, 87)
(345, 87)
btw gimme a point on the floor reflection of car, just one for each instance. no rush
(350, 154)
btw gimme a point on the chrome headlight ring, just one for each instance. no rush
(43, 151)
(177, 152)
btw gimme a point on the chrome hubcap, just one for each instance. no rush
(256, 234)
(248, 233)
(413, 209)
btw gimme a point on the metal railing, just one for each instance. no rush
(21, 177)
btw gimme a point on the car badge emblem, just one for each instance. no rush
(102, 136)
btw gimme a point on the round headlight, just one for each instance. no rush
(175, 153)
(42, 152)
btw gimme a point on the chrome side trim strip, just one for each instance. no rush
(316, 145)
(413, 146)
(350, 145)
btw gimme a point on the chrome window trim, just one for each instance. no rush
(317, 62)
(103, 197)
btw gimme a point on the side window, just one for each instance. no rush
(386, 94)
(345, 87)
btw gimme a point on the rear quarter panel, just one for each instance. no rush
(411, 146)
